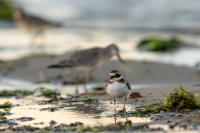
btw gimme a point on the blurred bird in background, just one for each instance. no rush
(33, 24)
(81, 64)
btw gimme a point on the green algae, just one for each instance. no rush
(6, 10)
(157, 44)
(49, 93)
(181, 99)
(15, 93)
(6, 105)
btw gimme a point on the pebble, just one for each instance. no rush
(51, 109)
(128, 123)
(39, 123)
(24, 119)
(134, 95)
(75, 124)
(139, 127)
(52, 123)
(173, 125)
(178, 115)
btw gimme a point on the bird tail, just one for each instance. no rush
(53, 66)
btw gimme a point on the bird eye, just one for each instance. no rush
(118, 75)
(112, 77)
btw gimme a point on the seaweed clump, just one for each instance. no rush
(88, 100)
(151, 109)
(50, 93)
(6, 10)
(15, 93)
(2, 119)
(157, 44)
(6, 105)
(78, 127)
(181, 99)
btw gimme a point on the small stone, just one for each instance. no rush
(183, 126)
(75, 124)
(178, 115)
(25, 129)
(171, 114)
(168, 121)
(128, 123)
(52, 123)
(51, 109)
(39, 123)
(172, 125)
(24, 119)
(155, 118)
(134, 95)
(139, 127)
(156, 129)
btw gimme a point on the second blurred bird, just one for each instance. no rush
(82, 63)
(33, 24)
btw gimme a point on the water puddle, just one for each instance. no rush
(31, 111)
(91, 110)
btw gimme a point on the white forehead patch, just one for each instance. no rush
(112, 74)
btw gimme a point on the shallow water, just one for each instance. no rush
(92, 114)
(39, 112)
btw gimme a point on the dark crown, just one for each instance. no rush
(115, 74)
(114, 71)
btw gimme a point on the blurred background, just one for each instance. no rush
(158, 39)
(169, 29)
(94, 22)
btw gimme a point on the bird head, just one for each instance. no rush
(114, 51)
(115, 74)
(18, 12)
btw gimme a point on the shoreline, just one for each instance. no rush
(141, 29)
(33, 69)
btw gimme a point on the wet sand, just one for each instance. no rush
(33, 69)
(39, 113)
(154, 81)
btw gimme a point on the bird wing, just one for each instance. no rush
(81, 58)
(128, 85)
(40, 21)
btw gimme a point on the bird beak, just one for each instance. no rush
(120, 59)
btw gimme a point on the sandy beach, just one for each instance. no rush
(158, 40)
(154, 81)
(33, 69)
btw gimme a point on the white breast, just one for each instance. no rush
(117, 89)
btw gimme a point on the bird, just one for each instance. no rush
(117, 87)
(83, 63)
(33, 24)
